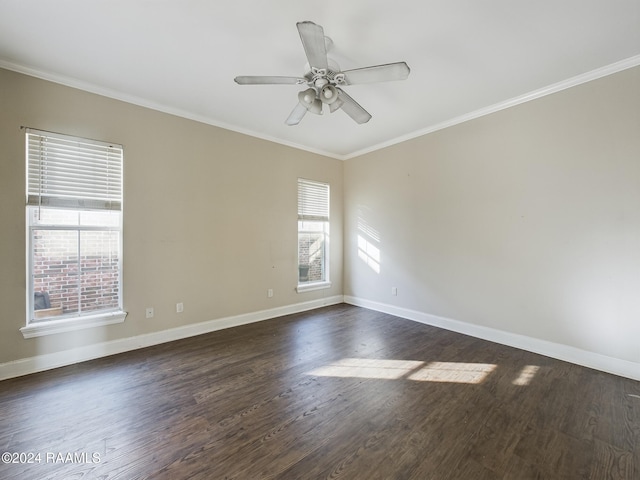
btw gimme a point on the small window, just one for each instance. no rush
(313, 235)
(74, 219)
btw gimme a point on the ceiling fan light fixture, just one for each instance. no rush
(307, 96)
(309, 99)
(328, 94)
(316, 107)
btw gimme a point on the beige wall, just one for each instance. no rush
(209, 215)
(526, 220)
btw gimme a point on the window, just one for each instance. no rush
(74, 233)
(313, 235)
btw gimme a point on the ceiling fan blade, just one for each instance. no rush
(352, 108)
(262, 80)
(312, 37)
(378, 73)
(296, 115)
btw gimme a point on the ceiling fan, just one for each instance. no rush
(325, 80)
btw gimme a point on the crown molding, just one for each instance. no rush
(145, 103)
(527, 97)
(139, 101)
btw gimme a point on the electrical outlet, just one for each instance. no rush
(149, 312)
(394, 291)
(270, 293)
(179, 307)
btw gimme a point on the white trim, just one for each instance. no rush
(48, 361)
(105, 92)
(49, 327)
(310, 287)
(616, 366)
(142, 102)
(527, 97)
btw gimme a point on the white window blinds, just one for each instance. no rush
(70, 172)
(313, 200)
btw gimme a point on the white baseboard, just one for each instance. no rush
(566, 353)
(48, 361)
(616, 366)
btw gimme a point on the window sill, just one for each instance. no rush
(51, 327)
(309, 287)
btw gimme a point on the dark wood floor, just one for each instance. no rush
(336, 393)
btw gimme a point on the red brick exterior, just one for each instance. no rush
(77, 281)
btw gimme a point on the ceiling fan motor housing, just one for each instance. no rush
(323, 82)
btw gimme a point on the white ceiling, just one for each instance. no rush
(467, 57)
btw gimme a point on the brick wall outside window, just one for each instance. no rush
(310, 252)
(87, 281)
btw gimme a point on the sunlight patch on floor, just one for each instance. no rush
(526, 375)
(367, 368)
(452, 372)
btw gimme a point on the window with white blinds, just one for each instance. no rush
(313, 235)
(74, 236)
(70, 172)
(313, 200)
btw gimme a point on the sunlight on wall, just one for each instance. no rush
(366, 228)
(526, 375)
(369, 254)
(368, 243)
(453, 372)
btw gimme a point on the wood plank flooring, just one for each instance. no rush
(335, 393)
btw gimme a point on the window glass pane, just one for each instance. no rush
(55, 273)
(308, 226)
(99, 265)
(311, 252)
(102, 218)
(52, 216)
(69, 217)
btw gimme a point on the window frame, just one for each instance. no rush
(74, 203)
(314, 212)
